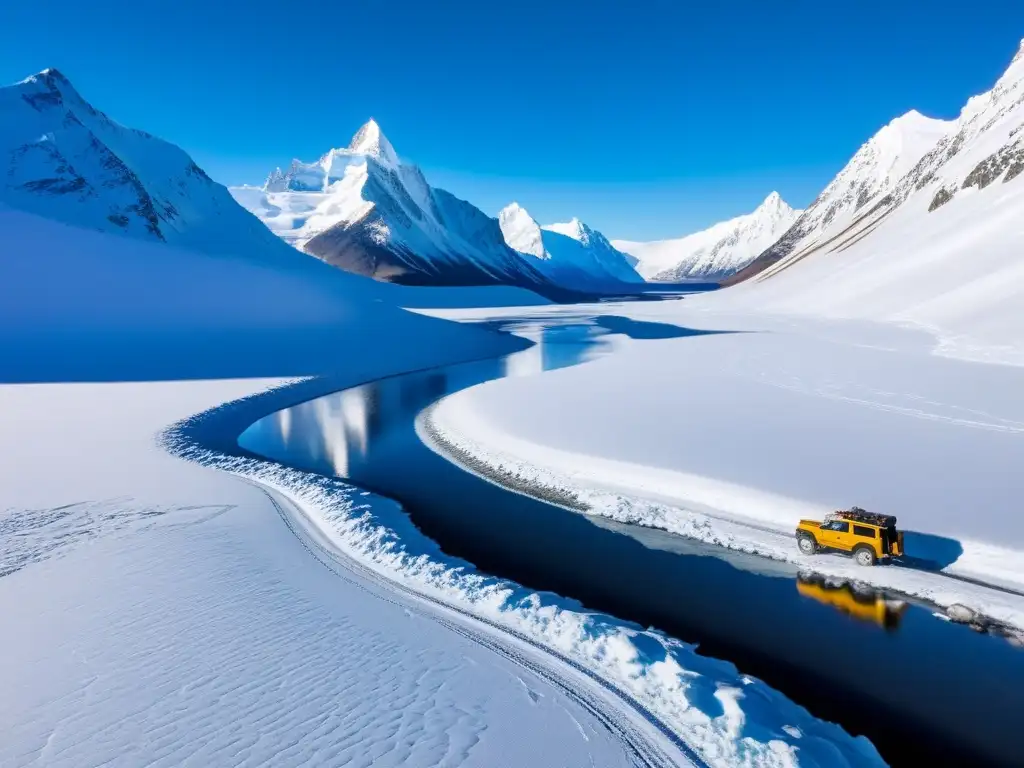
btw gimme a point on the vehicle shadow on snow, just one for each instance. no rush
(930, 552)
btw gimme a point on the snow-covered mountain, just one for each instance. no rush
(570, 254)
(65, 160)
(872, 173)
(717, 252)
(939, 247)
(364, 210)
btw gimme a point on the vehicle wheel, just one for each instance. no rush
(864, 556)
(806, 544)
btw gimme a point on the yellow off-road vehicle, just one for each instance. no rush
(867, 536)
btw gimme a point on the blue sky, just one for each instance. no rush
(645, 119)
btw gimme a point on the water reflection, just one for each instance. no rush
(854, 600)
(336, 434)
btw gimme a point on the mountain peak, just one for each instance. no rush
(914, 120)
(512, 210)
(774, 205)
(573, 228)
(521, 231)
(276, 181)
(50, 73)
(370, 140)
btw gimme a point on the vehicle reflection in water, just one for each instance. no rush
(856, 601)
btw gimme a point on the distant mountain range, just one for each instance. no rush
(717, 252)
(922, 224)
(364, 210)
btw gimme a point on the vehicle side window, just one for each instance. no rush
(860, 530)
(838, 526)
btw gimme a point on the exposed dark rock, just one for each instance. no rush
(66, 181)
(885, 202)
(995, 165)
(1015, 169)
(56, 186)
(118, 220)
(942, 197)
(830, 214)
(195, 170)
(863, 197)
(43, 99)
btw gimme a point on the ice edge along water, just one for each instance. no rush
(625, 493)
(661, 675)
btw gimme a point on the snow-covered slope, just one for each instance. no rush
(63, 159)
(570, 254)
(871, 174)
(941, 248)
(716, 252)
(362, 209)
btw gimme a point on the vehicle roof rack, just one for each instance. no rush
(858, 515)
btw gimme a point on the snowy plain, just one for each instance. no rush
(732, 436)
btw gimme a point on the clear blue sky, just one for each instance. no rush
(645, 119)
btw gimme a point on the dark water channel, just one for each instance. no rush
(923, 690)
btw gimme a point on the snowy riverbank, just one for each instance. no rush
(731, 438)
